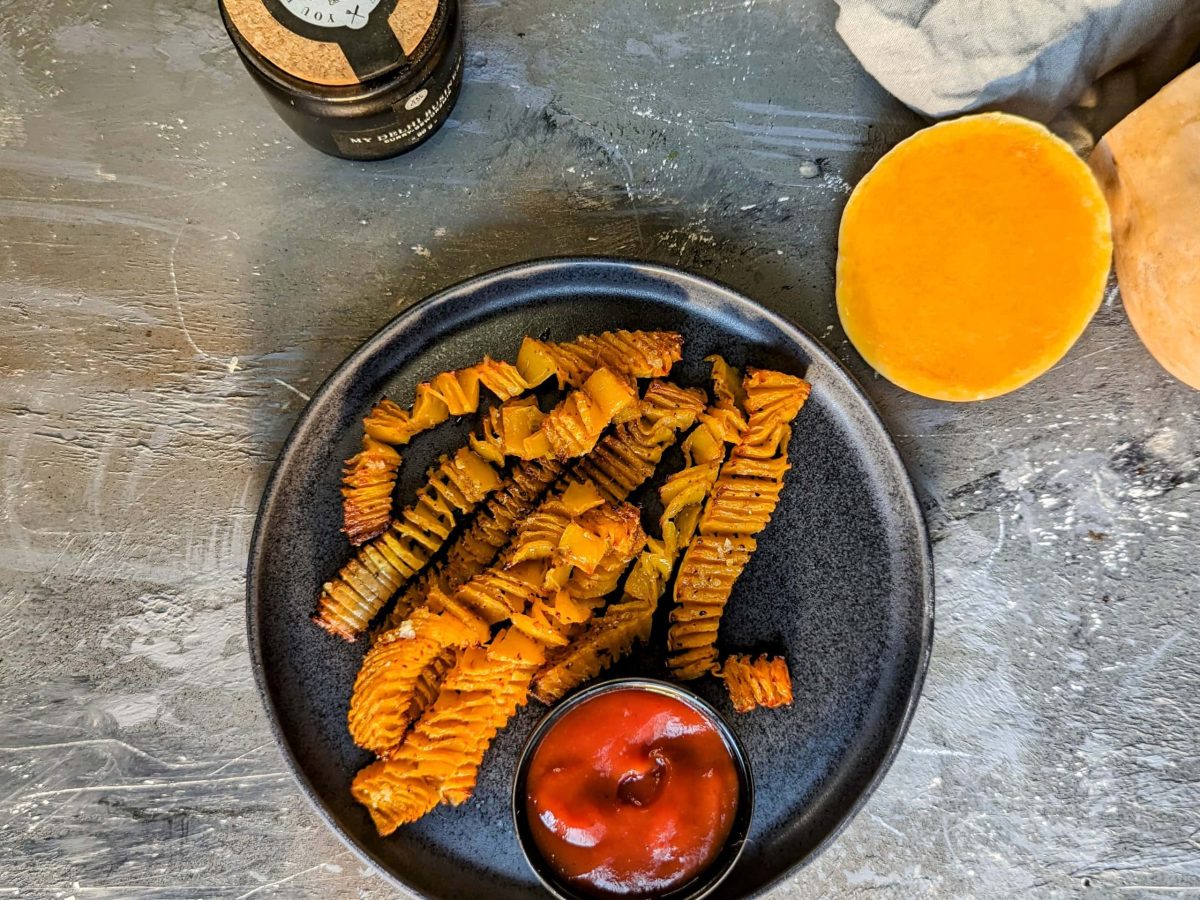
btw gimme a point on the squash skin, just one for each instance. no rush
(949, 283)
(1149, 168)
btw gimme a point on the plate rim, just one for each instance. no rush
(550, 264)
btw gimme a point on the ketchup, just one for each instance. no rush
(632, 793)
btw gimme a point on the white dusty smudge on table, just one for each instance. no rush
(178, 274)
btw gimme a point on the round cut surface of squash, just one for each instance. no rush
(971, 257)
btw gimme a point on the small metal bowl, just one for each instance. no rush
(704, 883)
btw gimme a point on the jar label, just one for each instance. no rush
(334, 13)
(412, 124)
(334, 42)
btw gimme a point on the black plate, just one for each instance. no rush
(841, 582)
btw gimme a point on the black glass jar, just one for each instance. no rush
(359, 79)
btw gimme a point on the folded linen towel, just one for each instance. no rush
(1035, 58)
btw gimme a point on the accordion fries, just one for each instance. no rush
(742, 501)
(455, 485)
(438, 761)
(623, 355)
(630, 620)
(505, 558)
(638, 354)
(477, 547)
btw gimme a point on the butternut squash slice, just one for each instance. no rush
(971, 257)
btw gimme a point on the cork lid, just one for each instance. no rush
(333, 42)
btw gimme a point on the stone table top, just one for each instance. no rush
(178, 273)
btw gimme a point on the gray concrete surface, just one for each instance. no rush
(177, 273)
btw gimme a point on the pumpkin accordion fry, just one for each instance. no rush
(730, 407)
(613, 635)
(628, 354)
(573, 427)
(497, 680)
(621, 462)
(744, 497)
(456, 484)
(478, 697)
(488, 442)
(571, 430)
(706, 578)
(548, 623)
(760, 682)
(439, 760)
(606, 640)
(727, 384)
(539, 534)
(740, 506)
(401, 675)
(722, 423)
(491, 529)
(493, 596)
(637, 354)
(619, 526)
(454, 393)
(518, 422)
(403, 670)
(501, 378)
(447, 394)
(390, 423)
(411, 654)
(370, 476)
(625, 459)
(368, 481)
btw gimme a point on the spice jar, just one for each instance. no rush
(359, 79)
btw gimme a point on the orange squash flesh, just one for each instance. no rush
(971, 257)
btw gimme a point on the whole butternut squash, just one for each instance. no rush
(1149, 168)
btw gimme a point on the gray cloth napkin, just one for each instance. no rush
(1036, 58)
